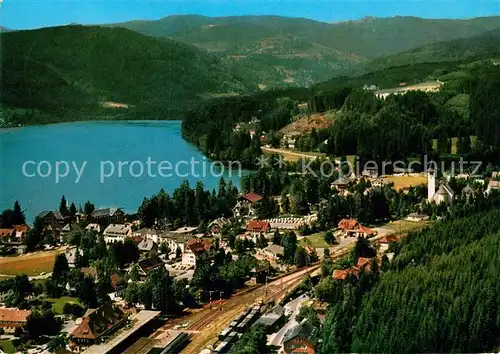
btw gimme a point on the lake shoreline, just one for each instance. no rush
(94, 142)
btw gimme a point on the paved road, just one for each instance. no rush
(276, 339)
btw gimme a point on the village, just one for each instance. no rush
(181, 251)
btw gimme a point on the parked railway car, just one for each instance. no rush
(225, 332)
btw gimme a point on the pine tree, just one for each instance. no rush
(63, 207)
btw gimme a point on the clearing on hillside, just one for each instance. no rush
(306, 124)
(29, 264)
(401, 182)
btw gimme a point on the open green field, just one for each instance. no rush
(404, 226)
(314, 240)
(58, 304)
(6, 346)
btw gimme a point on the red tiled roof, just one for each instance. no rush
(388, 239)
(348, 224)
(258, 226)
(342, 274)
(14, 315)
(365, 230)
(198, 245)
(83, 331)
(252, 197)
(21, 228)
(6, 232)
(364, 263)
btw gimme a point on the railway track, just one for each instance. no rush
(217, 319)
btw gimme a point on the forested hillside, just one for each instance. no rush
(69, 73)
(484, 45)
(438, 296)
(299, 52)
(398, 127)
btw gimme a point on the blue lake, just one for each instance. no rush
(110, 163)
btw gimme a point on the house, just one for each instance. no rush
(379, 182)
(385, 241)
(21, 231)
(7, 235)
(50, 217)
(245, 205)
(370, 172)
(343, 274)
(216, 225)
(71, 255)
(118, 284)
(300, 339)
(259, 274)
(11, 319)
(341, 183)
(468, 193)
(363, 264)
(117, 233)
(492, 186)
(175, 241)
(194, 248)
(351, 227)
(147, 265)
(93, 227)
(96, 326)
(106, 216)
(274, 252)
(417, 217)
(257, 228)
(147, 246)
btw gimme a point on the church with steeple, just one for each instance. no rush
(444, 193)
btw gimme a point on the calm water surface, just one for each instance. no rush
(102, 145)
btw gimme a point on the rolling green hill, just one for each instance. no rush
(299, 52)
(75, 72)
(485, 45)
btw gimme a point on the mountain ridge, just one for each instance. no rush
(306, 51)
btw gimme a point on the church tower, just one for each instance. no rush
(431, 184)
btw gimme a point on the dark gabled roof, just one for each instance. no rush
(304, 330)
(468, 189)
(97, 321)
(99, 213)
(44, 213)
(146, 245)
(151, 263)
(341, 181)
(272, 316)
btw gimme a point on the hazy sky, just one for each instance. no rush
(23, 14)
